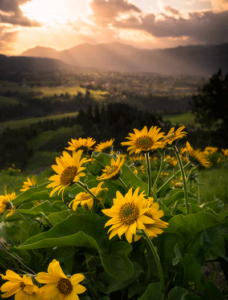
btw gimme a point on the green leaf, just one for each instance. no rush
(189, 226)
(165, 244)
(45, 207)
(211, 292)
(58, 217)
(153, 291)
(178, 293)
(213, 240)
(217, 206)
(87, 231)
(220, 217)
(192, 270)
(29, 194)
(115, 285)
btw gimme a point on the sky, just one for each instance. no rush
(150, 24)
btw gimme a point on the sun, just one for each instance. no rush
(56, 12)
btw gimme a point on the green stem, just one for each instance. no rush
(14, 257)
(175, 207)
(183, 178)
(149, 174)
(93, 291)
(159, 172)
(156, 257)
(102, 206)
(171, 178)
(123, 184)
(199, 199)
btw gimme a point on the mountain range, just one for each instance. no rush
(189, 60)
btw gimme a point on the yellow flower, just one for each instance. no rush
(81, 144)
(58, 286)
(86, 199)
(142, 169)
(144, 140)
(177, 184)
(5, 201)
(128, 213)
(210, 150)
(135, 171)
(155, 214)
(174, 135)
(171, 160)
(137, 158)
(23, 288)
(105, 147)
(197, 157)
(225, 152)
(114, 171)
(28, 184)
(68, 169)
(19, 170)
(164, 174)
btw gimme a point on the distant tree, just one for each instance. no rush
(210, 105)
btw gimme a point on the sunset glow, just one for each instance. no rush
(62, 24)
(55, 12)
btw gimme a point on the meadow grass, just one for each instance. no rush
(16, 124)
(6, 101)
(181, 119)
(215, 184)
(72, 90)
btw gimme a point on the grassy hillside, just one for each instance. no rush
(26, 122)
(72, 90)
(6, 86)
(181, 119)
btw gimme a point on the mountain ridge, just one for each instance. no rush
(189, 60)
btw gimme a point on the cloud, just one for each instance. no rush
(171, 10)
(219, 5)
(107, 11)
(7, 39)
(200, 27)
(10, 13)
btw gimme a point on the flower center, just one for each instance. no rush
(112, 170)
(64, 286)
(68, 175)
(85, 197)
(128, 213)
(22, 285)
(144, 142)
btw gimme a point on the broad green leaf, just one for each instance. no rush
(29, 194)
(220, 217)
(178, 293)
(115, 285)
(192, 270)
(213, 240)
(153, 291)
(211, 292)
(87, 231)
(45, 207)
(58, 217)
(217, 206)
(165, 244)
(188, 226)
(17, 234)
